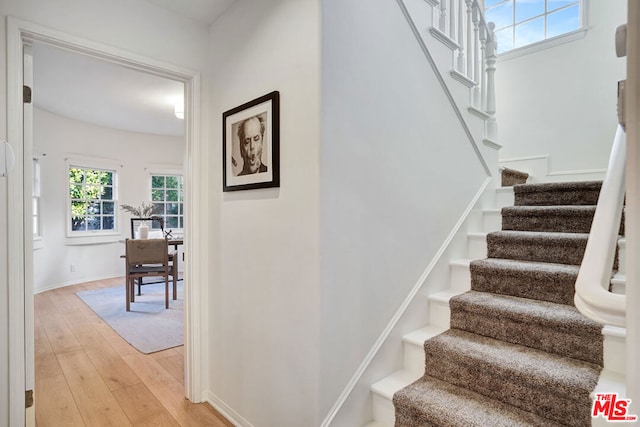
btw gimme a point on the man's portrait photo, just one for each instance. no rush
(251, 139)
(250, 133)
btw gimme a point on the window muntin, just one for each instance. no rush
(521, 23)
(168, 199)
(92, 200)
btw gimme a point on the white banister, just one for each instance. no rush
(452, 19)
(461, 26)
(462, 64)
(483, 74)
(491, 51)
(468, 28)
(442, 23)
(592, 297)
(477, 61)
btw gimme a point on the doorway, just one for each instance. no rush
(20, 239)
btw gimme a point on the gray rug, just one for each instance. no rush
(149, 327)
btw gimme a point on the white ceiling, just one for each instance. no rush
(100, 92)
(204, 11)
(96, 91)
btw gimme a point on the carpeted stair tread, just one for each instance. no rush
(432, 402)
(564, 219)
(564, 248)
(546, 384)
(511, 177)
(557, 193)
(555, 328)
(518, 347)
(526, 279)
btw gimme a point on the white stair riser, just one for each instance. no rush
(492, 220)
(615, 354)
(439, 313)
(383, 410)
(477, 247)
(460, 277)
(505, 197)
(414, 359)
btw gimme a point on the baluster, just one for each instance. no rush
(452, 20)
(461, 61)
(443, 16)
(469, 42)
(492, 47)
(476, 56)
(483, 75)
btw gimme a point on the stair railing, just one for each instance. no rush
(592, 296)
(462, 22)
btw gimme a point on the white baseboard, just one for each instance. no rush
(75, 282)
(225, 410)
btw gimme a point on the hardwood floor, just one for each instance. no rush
(87, 375)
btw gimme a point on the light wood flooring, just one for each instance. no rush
(87, 375)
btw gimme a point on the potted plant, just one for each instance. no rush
(143, 211)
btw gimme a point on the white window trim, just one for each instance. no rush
(96, 236)
(543, 44)
(551, 42)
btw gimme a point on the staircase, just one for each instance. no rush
(504, 343)
(517, 351)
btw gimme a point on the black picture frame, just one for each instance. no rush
(257, 166)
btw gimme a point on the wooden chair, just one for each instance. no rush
(145, 258)
(157, 225)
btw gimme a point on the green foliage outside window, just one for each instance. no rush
(92, 199)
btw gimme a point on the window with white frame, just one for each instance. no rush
(92, 200)
(521, 23)
(167, 199)
(35, 200)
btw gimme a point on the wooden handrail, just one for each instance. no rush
(592, 296)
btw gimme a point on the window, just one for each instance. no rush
(35, 200)
(167, 199)
(521, 23)
(92, 200)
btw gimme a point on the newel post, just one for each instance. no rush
(492, 47)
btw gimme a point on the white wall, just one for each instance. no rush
(135, 155)
(561, 101)
(263, 304)
(397, 174)
(131, 25)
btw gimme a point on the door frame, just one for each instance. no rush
(20, 253)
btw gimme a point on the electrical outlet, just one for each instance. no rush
(73, 268)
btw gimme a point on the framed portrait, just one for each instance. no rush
(251, 144)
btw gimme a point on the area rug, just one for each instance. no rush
(149, 327)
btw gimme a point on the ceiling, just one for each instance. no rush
(204, 11)
(96, 91)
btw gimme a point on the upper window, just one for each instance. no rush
(167, 199)
(521, 23)
(92, 199)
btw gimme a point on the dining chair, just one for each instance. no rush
(156, 231)
(148, 258)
